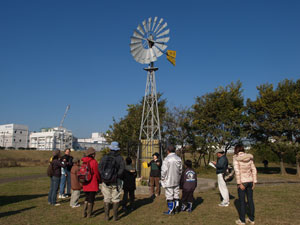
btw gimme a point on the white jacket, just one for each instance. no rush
(171, 171)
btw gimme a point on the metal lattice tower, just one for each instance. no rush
(150, 125)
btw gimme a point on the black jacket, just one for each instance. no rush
(129, 176)
(155, 168)
(222, 164)
(69, 161)
(188, 181)
(57, 165)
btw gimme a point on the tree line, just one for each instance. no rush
(223, 118)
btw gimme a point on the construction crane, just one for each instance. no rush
(63, 119)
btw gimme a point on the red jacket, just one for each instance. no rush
(93, 185)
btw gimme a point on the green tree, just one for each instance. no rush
(274, 117)
(177, 128)
(126, 131)
(218, 118)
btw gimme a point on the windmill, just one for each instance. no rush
(148, 42)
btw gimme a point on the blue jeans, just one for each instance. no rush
(65, 180)
(53, 190)
(62, 184)
(249, 192)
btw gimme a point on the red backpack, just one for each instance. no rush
(85, 174)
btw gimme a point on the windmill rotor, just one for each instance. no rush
(148, 41)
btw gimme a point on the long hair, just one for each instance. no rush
(238, 148)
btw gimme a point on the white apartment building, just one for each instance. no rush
(13, 136)
(97, 141)
(51, 139)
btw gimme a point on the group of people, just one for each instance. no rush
(116, 174)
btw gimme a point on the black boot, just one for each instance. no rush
(115, 209)
(85, 208)
(106, 210)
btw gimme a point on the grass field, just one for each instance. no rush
(25, 201)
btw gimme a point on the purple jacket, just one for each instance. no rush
(188, 181)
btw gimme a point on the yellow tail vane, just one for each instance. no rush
(171, 56)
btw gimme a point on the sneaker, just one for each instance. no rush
(222, 204)
(75, 206)
(250, 221)
(56, 204)
(61, 196)
(239, 222)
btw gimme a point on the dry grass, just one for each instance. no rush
(26, 203)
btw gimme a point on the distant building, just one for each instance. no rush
(13, 136)
(97, 141)
(51, 139)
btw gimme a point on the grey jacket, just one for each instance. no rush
(171, 171)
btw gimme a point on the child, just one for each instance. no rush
(75, 184)
(188, 184)
(129, 176)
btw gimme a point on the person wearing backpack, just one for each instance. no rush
(76, 186)
(246, 177)
(221, 167)
(111, 169)
(56, 166)
(90, 187)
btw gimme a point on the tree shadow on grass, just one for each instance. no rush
(10, 213)
(137, 204)
(5, 200)
(275, 170)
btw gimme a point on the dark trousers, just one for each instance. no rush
(249, 193)
(187, 196)
(90, 196)
(154, 181)
(54, 184)
(68, 182)
(131, 197)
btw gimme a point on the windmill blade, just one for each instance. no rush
(154, 22)
(149, 23)
(135, 45)
(165, 39)
(162, 47)
(140, 29)
(163, 33)
(162, 27)
(157, 52)
(145, 26)
(136, 50)
(138, 54)
(135, 40)
(160, 21)
(137, 35)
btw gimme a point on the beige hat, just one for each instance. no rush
(90, 151)
(220, 151)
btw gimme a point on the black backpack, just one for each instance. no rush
(229, 173)
(108, 169)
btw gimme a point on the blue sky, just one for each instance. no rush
(55, 53)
